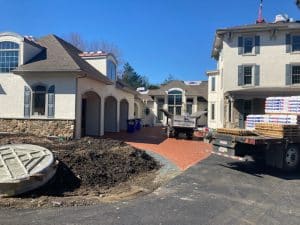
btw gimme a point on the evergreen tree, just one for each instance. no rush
(132, 78)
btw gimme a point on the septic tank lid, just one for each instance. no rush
(21, 161)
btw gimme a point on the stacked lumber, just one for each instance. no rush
(277, 130)
(235, 131)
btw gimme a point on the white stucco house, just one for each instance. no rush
(177, 97)
(49, 87)
(253, 62)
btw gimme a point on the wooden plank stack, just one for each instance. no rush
(277, 130)
(235, 131)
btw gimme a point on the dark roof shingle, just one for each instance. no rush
(60, 56)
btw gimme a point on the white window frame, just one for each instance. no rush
(46, 102)
(212, 112)
(252, 75)
(292, 66)
(213, 87)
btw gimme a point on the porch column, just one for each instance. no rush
(118, 115)
(102, 116)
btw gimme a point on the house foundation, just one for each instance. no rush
(39, 127)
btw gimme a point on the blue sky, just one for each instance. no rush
(157, 37)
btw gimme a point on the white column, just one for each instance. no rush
(102, 116)
(78, 116)
(118, 115)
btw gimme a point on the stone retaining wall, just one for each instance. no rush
(39, 127)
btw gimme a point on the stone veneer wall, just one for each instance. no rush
(39, 127)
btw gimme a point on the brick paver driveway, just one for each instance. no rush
(184, 153)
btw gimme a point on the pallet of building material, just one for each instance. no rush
(277, 127)
(277, 130)
(235, 131)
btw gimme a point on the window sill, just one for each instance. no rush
(295, 52)
(249, 54)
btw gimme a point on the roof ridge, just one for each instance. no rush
(61, 43)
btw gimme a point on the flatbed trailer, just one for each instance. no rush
(282, 153)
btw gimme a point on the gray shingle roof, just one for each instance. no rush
(192, 90)
(60, 56)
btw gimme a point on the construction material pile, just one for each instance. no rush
(235, 131)
(253, 120)
(282, 105)
(277, 130)
(87, 167)
(282, 118)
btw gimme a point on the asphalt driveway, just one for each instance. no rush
(214, 191)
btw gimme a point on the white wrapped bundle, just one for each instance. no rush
(252, 120)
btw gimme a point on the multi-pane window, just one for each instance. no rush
(213, 84)
(212, 111)
(296, 43)
(189, 105)
(39, 100)
(9, 56)
(247, 75)
(175, 102)
(295, 74)
(248, 45)
(111, 70)
(160, 105)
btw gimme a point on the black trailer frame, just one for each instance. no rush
(273, 151)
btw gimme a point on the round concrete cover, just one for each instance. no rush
(21, 161)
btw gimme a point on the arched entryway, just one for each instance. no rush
(124, 107)
(110, 114)
(91, 114)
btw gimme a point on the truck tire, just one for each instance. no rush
(169, 133)
(291, 158)
(189, 135)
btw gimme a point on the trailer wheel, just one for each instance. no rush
(291, 158)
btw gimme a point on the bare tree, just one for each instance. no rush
(98, 45)
(77, 40)
(106, 47)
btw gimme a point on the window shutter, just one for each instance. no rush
(51, 101)
(257, 75)
(257, 44)
(240, 76)
(288, 43)
(27, 101)
(288, 77)
(240, 45)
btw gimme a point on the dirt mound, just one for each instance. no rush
(87, 166)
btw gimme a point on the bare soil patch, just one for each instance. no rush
(90, 170)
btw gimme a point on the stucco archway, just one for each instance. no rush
(91, 114)
(110, 114)
(124, 112)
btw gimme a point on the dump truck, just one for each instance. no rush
(177, 124)
(278, 152)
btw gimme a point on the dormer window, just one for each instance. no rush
(111, 70)
(9, 56)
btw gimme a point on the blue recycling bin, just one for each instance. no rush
(138, 124)
(130, 125)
